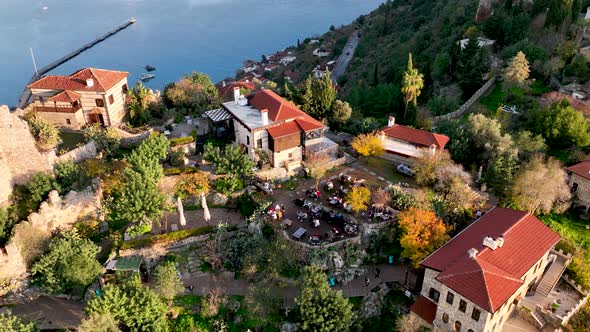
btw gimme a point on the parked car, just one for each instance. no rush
(406, 170)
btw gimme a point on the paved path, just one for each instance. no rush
(346, 56)
(205, 282)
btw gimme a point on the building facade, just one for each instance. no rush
(85, 97)
(475, 281)
(579, 182)
(265, 122)
(404, 144)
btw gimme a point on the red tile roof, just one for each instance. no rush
(284, 129)
(281, 110)
(103, 80)
(66, 96)
(416, 136)
(424, 308)
(227, 91)
(482, 280)
(582, 169)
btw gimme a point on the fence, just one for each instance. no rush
(484, 88)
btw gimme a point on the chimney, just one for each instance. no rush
(500, 242)
(391, 121)
(264, 114)
(472, 253)
(236, 94)
(490, 243)
(89, 82)
(223, 84)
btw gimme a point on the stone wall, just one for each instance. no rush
(19, 157)
(129, 140)
(87, 151)
(31, 236)
(478, 94)
(582, 193)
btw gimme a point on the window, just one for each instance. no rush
(124, 89)
(111, 99)
(99, 103)
(259, 143)
(475, 314)
(290, 155)
(68, 121)
(247, 140)
(462, 305)
(574, 187)
(445, 318)
(450, 297)
(457, 326)
(434, 294)
(470, 330)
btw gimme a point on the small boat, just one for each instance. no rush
(146, 77)
(150, 68)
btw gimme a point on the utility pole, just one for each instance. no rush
(34, 63)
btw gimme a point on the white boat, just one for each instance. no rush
(146, 76)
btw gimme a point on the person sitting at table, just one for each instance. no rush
(330, 185)
(316, 223)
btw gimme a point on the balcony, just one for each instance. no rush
(56, 108)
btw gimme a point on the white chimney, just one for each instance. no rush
(500, 242)
(223, 84)
(490, 243)
(472, 253)
(89, 82)
(391, 121)
(236, 95)
(264, 115)
(432, 149)
(242, 101)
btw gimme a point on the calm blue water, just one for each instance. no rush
(176, 36)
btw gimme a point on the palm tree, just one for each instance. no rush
(412, 84)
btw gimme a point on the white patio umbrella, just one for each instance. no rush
(181, 212)
(207, 215)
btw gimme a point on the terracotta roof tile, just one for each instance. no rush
(66, 96)
(526, 240)
(284, 129)
(103, 80)
(424, 308)
(416, 136)
(582, 169)
(227, 91)
(281, 110)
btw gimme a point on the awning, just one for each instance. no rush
(218, 115)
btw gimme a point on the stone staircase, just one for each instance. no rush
(552, 275)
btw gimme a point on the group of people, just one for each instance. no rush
(277, 212)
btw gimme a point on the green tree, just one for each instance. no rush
(473, 64)
(499, 176)
(107, 140)
(230, 160)
(238, 250)
(67, 174)
(194, 94)
(341, 112)
(561, 125)
(487, 138)
(167, 283)
(137, 103)
(132, 306)
(7, 222)
(69, 266)
(145, 159)
(11, 323)
(516, 72)
(321, 308)
(317, 97)
(39, 187)
(459, 145)
(99, 323)
(412, 84)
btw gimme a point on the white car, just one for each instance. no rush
(406, 170)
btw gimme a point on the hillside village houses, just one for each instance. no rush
(579, 182)
(263, 121)
(404, 144)
(476, 280)
(87, 96)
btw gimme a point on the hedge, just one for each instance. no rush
(179, 170)
(171, 237)
(181, 140)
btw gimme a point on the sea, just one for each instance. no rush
(175, 36)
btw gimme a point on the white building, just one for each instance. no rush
(87, 96)
(321, 52)
(475, 281)
(287, 59)
(481, 42)
(404, 144)
(320, 70)
(265, 121)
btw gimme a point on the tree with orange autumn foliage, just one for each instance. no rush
(422, 232)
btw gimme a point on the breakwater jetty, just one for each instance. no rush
(24, 98)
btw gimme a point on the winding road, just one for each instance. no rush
(346, 56)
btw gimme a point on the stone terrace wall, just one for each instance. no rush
(19, 157)
(478, 94)
(29, 236)
(87, 151)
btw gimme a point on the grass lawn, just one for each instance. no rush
(385, 169)
(70, 140)
(494, 98)
(570, 227)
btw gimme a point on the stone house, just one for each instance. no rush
(404, 144)
(579, 182)
(85, 97)
(475, 281)
(263, 121)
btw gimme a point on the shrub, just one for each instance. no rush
(107, 140)
(180, 170)
(169, 237)
(246, 205)
(177, 157)
(67, 174)
(46, 134)
(228, 185)
(181, 140)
